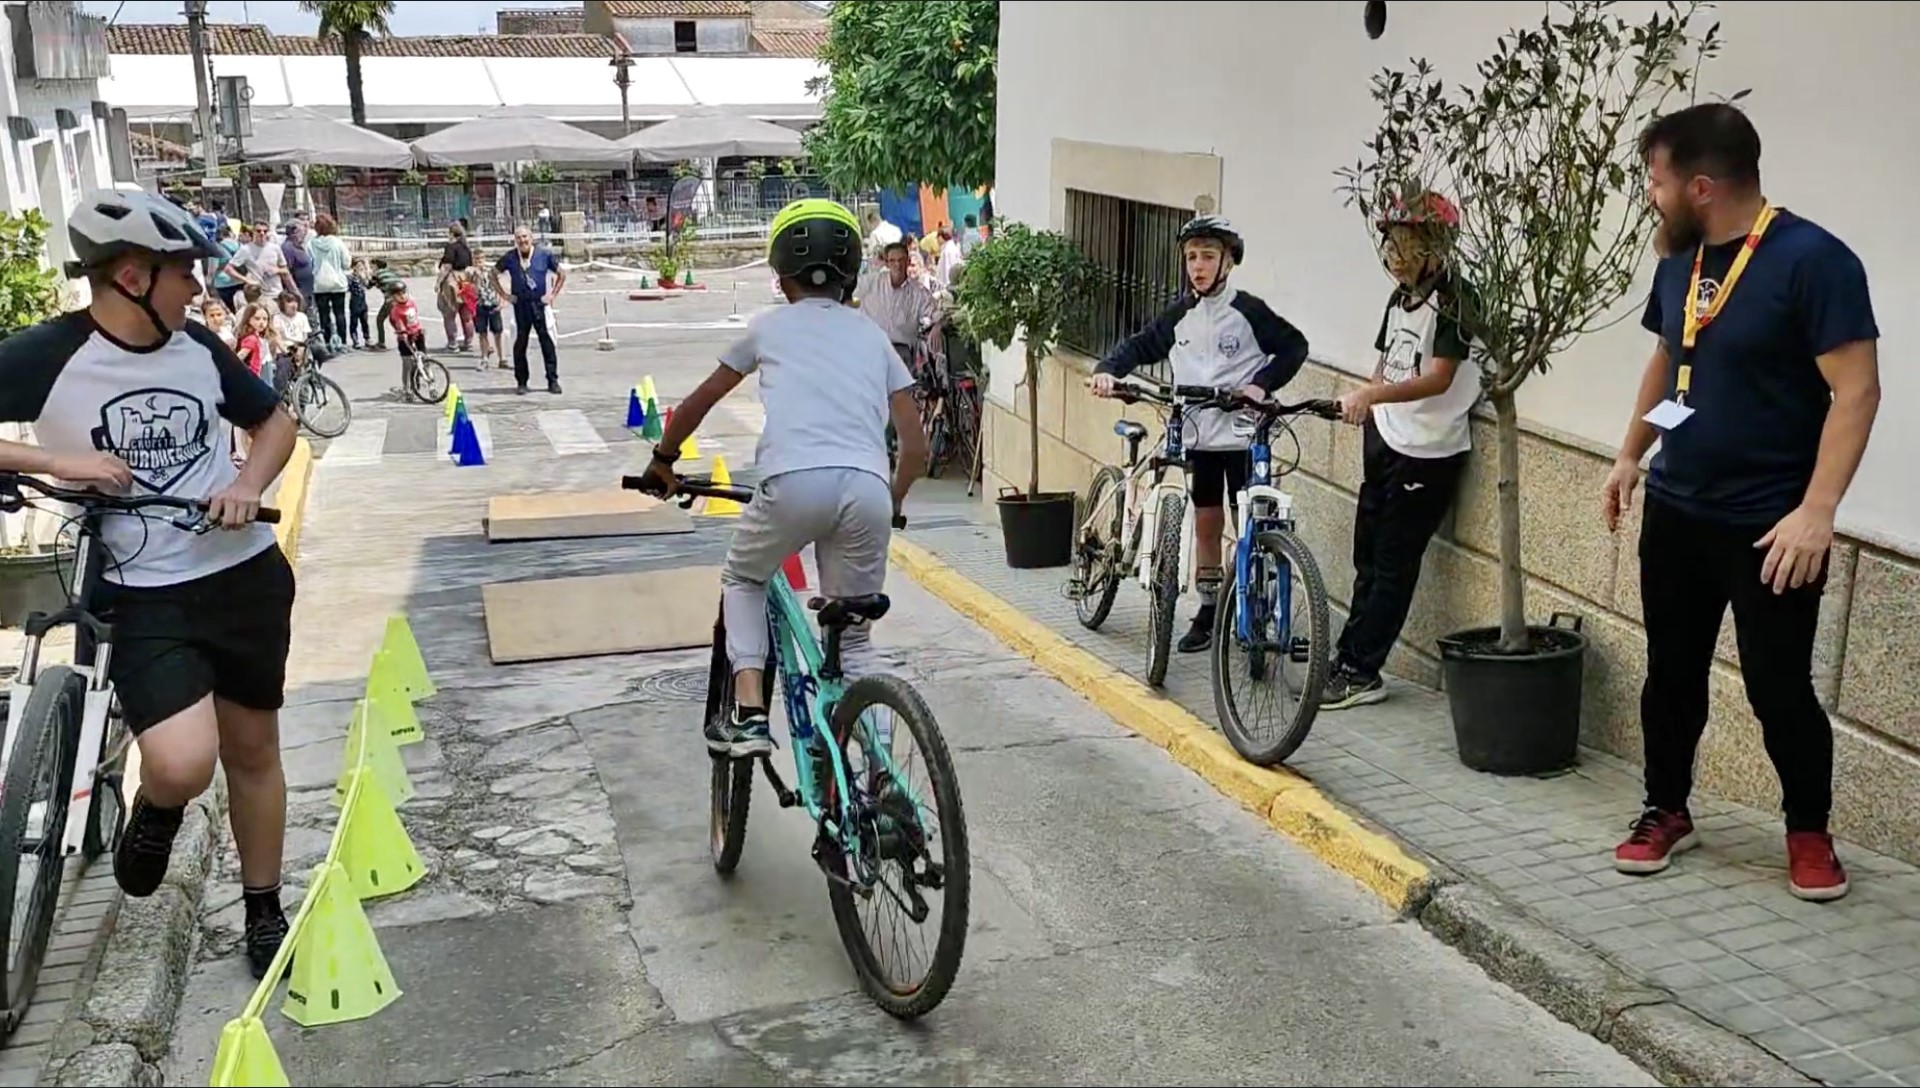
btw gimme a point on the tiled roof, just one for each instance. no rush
(789, 39)
(252, 40)
(540, 20)
(679, 9)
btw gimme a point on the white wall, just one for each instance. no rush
(1280, 93)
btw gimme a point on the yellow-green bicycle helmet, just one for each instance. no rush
(815, 241)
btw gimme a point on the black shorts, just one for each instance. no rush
(487, 319)
(1214, 476)
(226, 634)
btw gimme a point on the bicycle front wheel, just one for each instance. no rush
(322, 406)
(1267, 682)
(1166, 585)
(429, 380)
(905, 853)
(33, 823)
(731, 785)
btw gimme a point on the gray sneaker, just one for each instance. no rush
(1345, 691)
(742, 735)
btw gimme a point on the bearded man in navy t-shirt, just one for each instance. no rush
(1762, 390)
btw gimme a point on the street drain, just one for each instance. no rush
(689, 685)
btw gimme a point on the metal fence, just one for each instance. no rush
(611, 206)
(1135, 253)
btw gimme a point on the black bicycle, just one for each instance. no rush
(53, 715)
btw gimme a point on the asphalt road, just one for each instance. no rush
(1128, 925)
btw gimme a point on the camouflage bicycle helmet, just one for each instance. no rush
(815, 241)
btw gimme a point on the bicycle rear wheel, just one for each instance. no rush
(891, 828)
(33, 817)
(107, 815)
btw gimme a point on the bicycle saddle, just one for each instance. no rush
(1129, 430)
(841, 611)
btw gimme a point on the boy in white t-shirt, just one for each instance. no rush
(831, 382)
(1415, 413)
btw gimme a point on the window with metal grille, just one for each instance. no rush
(1135, 255)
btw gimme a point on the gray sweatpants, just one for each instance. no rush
(847, 515)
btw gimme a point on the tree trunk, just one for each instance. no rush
(1513, 581)
(356, 92)
(1033, 423)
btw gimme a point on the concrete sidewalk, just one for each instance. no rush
(1746, 976)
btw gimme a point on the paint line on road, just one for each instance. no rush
(364, 444)
(570, 432)
(1289, 803)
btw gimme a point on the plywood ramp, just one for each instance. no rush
(599, 614)
(575, 515)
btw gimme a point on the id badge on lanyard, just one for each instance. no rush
(1669, 414)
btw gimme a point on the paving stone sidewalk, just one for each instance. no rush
(1828, 988)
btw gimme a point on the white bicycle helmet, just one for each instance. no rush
(108, 223)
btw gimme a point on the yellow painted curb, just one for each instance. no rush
(291, 498)
(1288, 802)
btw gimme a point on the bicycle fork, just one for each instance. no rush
(95, 707)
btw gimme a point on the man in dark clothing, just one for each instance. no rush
(527, 267)
(1762, 389)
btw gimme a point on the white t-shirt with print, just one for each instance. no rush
(827, 375)
(1436, 426)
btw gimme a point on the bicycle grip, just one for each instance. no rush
(268, 515)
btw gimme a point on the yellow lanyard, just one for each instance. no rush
(1695, 320)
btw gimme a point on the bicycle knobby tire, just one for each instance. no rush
(49, 729)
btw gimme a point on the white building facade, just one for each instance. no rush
(1142, 113)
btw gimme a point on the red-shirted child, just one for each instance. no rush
(405, 319)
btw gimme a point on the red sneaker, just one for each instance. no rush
(1814, 871)
(1656, 837)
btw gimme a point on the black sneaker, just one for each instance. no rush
(553, 386)
(1200, 635)
(140, 861)
(1344, 691)
(266, 932)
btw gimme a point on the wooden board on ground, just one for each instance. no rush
(574, 515)
(599, 614)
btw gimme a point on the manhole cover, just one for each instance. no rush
(685, 684)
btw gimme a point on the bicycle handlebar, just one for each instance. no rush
(1133, 389)
(689, 488)
(11, 482)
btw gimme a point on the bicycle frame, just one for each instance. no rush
(810, 700)
(1259, 506)
(93, 651)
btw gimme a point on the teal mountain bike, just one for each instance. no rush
(877, 843)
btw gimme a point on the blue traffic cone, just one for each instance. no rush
(466, 442)
(636, 412)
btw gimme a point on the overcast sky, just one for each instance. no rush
(409, 16)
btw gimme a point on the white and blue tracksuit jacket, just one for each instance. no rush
(1224, 340)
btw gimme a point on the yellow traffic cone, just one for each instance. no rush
(389, 704)
(453, 401)
(409, 667)
(339, 972)
(246, 1058)
(717, 507)
(371, 748)
(374, 846)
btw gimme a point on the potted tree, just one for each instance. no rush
(1024, 284)
(32, 573)
(1542, 158)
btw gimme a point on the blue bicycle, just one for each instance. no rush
(872, 823)
(1264, 623)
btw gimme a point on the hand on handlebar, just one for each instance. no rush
(659, 480)
(235, 507)
(1102, 385)
(99, 469)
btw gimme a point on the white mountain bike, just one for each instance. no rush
(48, 794)
(1137, 518)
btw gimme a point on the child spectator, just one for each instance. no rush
(357, 304)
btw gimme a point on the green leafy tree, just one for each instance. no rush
(30, 291)
(1542, 158)
(908, 95)
(1023, 284)
(354, 23)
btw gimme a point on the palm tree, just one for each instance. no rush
(354, 22)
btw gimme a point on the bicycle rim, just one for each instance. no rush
(1166, 586)
(430, 380)
(1096, 551)
(1265, 714)
(33, 816)
(916, 864)
(322, 406)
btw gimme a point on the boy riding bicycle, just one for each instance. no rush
(831, 382)
(1214, 335)
(130, 395)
